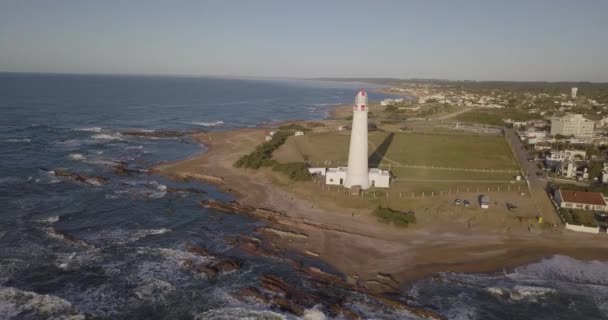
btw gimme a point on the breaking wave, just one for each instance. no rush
(118, 237)
(91, 129)
(209, 124)
(76, 156)
(566, 269)
(22, 140)
(103, 136)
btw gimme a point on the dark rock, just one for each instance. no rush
(185, 190)
(155, 134)
(227, 265)
(92, 180)
(252, 293)
(199, 251)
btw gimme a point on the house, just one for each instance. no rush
(299, 133)
(605, 173)
(580, 200)
(335, 176)
(569, 169)
(378, 178)
(567, 155)
(269, 135)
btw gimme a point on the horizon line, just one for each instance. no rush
(343, 79)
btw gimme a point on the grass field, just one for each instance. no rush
(495, 116)
(456, 151)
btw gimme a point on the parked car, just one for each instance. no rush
(457, 202)
(466, 203)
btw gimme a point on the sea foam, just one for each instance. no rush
(209, 124)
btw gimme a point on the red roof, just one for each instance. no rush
(595, 198)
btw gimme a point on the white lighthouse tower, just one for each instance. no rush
(357, 171)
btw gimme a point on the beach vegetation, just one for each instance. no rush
(398, 218)
(293, 128)
(297, 171)
(263, 153)
(315, 124)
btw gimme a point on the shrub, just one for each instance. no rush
(262, 154)
(293, 127)
(579, 217)
(391, 108)
(315, 124)
(297, 171)
(398, 218)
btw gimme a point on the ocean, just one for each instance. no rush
(112, 246)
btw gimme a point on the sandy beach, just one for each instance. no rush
(357, 245)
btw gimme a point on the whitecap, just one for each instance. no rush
(520, 292)
(103, 136)
(121, 236)
(77, 260)
(22, 140)
(76, 156)
(48, 220)
(9, 180)
(91, 129)
(566, 269)
(209, 124)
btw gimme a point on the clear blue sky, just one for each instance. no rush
(480, 40)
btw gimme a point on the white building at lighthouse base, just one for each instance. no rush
(377, 178)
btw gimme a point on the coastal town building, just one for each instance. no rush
(572, 125)
(567, 155)
(580, 200)
(605, 173)
(569, 169)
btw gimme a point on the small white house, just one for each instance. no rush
(335, 176)
(299, 133)
(269, 135)
(377, 178)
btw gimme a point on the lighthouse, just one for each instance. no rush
(357, 171)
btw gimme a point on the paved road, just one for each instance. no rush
(536, 184)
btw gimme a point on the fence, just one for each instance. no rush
(577, 228)
(392, 194)
(331, 163)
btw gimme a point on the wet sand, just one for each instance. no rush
(354, 242)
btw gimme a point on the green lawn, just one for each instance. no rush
(457, 151)
(495, 116)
